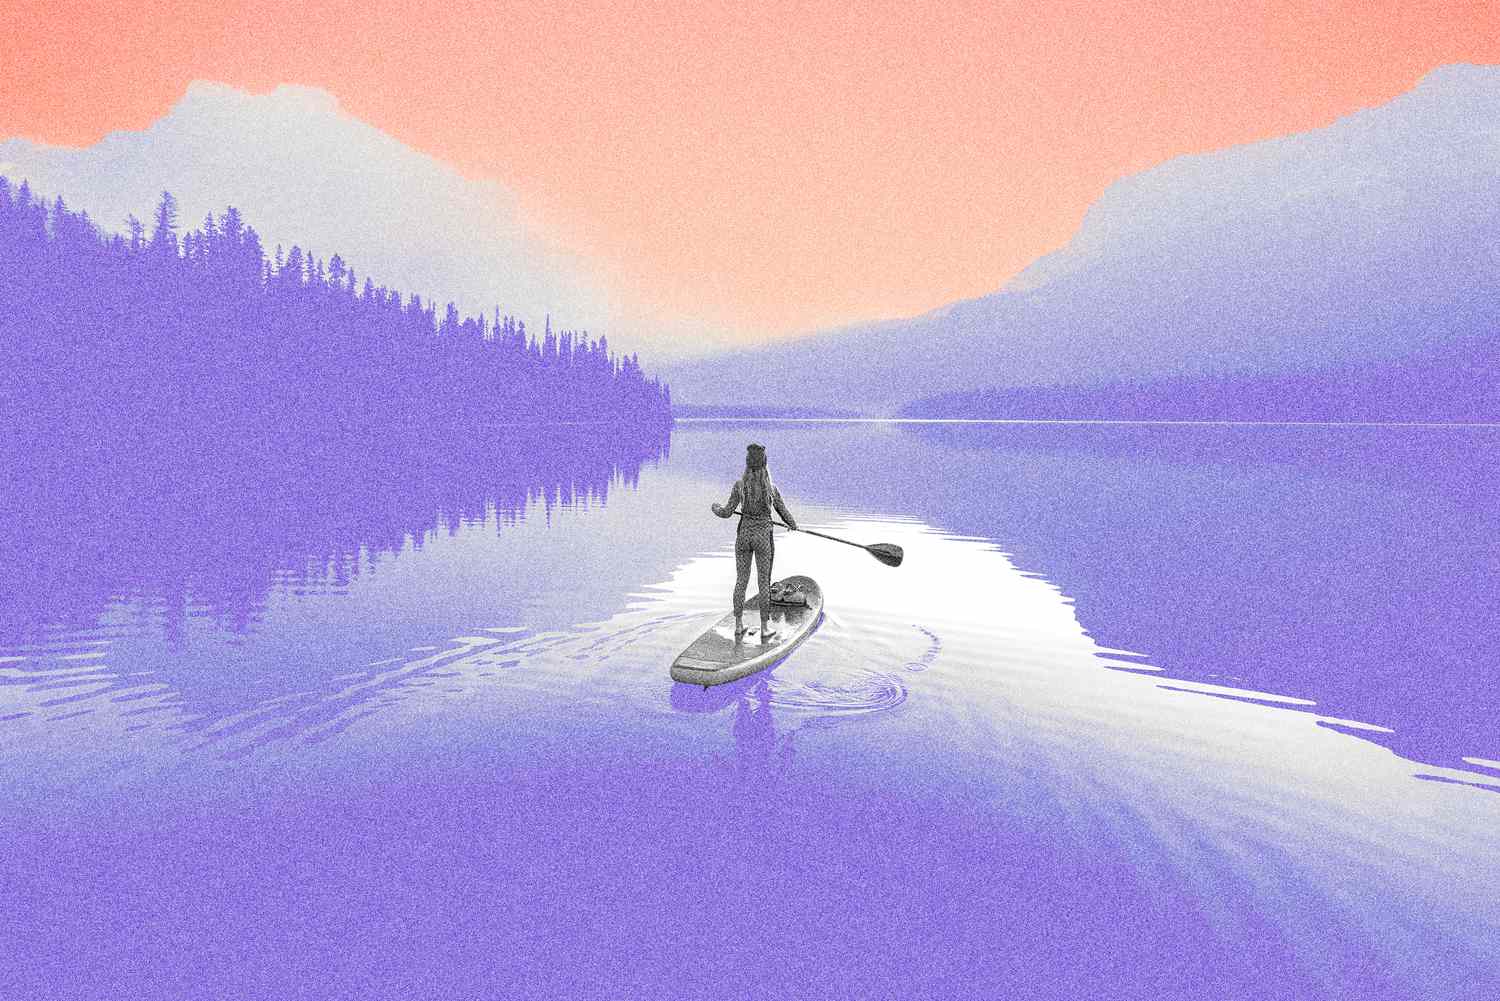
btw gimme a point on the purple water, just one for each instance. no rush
(1147, 712)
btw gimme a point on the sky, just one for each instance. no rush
(769, 168)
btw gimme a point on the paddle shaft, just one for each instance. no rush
(833, 538)
(808, 531)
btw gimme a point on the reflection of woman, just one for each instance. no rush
(754, 730)
(755, 495)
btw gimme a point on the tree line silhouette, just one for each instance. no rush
(148, 329)
(1449, 382)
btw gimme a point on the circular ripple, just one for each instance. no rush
(934, 647)
(856, 692)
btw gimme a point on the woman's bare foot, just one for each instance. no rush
(739, 631)
(766, 632)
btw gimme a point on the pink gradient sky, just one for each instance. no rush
(765, 168)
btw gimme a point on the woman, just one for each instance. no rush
(755, 495)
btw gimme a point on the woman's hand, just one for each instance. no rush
(717, 508)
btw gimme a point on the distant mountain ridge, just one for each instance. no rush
(311, 174)
(1370, 240)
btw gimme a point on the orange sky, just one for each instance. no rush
(765, 167)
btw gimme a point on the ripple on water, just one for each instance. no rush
(855, 691)
(934, 647)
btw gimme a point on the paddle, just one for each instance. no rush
(887, 553)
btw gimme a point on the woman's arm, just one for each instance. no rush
(786, 515)
(726, 510)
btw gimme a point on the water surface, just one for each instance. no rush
(1147, 712)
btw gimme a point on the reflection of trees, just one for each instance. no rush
(212, 527)
(151, 332)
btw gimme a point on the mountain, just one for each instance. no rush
(1357, 245)
(307, 173)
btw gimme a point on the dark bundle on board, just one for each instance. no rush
(147, 330)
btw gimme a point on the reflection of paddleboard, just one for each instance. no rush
(717, 657)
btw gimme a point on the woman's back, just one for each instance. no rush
(758, 494)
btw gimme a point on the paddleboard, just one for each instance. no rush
(718, 656)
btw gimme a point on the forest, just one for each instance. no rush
(154, 329)
(1451, 382)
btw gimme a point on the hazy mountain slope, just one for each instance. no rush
(305, 172)
(1375, 237)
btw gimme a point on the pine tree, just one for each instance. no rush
(164, 234)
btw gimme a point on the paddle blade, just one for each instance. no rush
(886, 553)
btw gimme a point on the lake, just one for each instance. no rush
(1149, 711)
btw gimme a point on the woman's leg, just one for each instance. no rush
(765, 554)
(742, 552)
